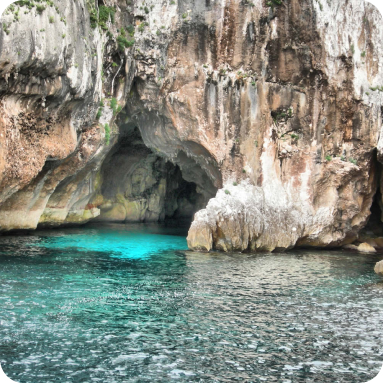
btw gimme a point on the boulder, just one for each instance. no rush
(379, 268)
(366, 248)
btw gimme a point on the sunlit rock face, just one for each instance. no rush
(379, 268)
(277, 107)
(50, 84)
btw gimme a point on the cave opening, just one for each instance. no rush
(374, 226)
(139, 184)
(375, 222)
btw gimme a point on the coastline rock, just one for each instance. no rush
(366, 248)
(267, 120)
(379, 268)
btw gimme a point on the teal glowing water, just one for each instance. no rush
(129, 304)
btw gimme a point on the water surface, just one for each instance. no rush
(125, 303)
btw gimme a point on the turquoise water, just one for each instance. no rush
(127, 303)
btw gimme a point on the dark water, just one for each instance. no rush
(127, 304)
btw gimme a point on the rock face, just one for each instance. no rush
(379, 268)
(143, 111)
(366, 248)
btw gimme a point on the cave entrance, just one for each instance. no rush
(374, 225)
(138, 184)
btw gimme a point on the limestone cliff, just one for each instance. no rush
(265, 116)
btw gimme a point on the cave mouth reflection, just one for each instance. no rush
(139, 184)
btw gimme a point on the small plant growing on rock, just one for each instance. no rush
(353, 161)
(243, 170)
(184, 15)
(5, 28)
(328, 158)
(378, 88)
(63, 35)
(107, 133)
(123, 42)
(273, 3)
(294, 136)
(343, 158)
(130, 30)
(113, 105)
(227, 191)
(99, 113)
(40, 8)
(102, 17)
(146, 9)
(105, 13)
(51, 19)
(16, 16)
(363, 54)
(235, 184)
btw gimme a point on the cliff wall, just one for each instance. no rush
(267, 116)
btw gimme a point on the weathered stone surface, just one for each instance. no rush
(379, 268)
(366, 248)
(50, 143)
(279, 106)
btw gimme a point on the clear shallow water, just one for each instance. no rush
(128, 304)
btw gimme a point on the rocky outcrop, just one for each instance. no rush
(366, 248)
(379, 268)
(276, 106)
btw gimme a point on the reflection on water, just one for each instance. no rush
(128, 304)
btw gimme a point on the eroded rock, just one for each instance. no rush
(277, 107)
(379, 268)
(366, 248)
